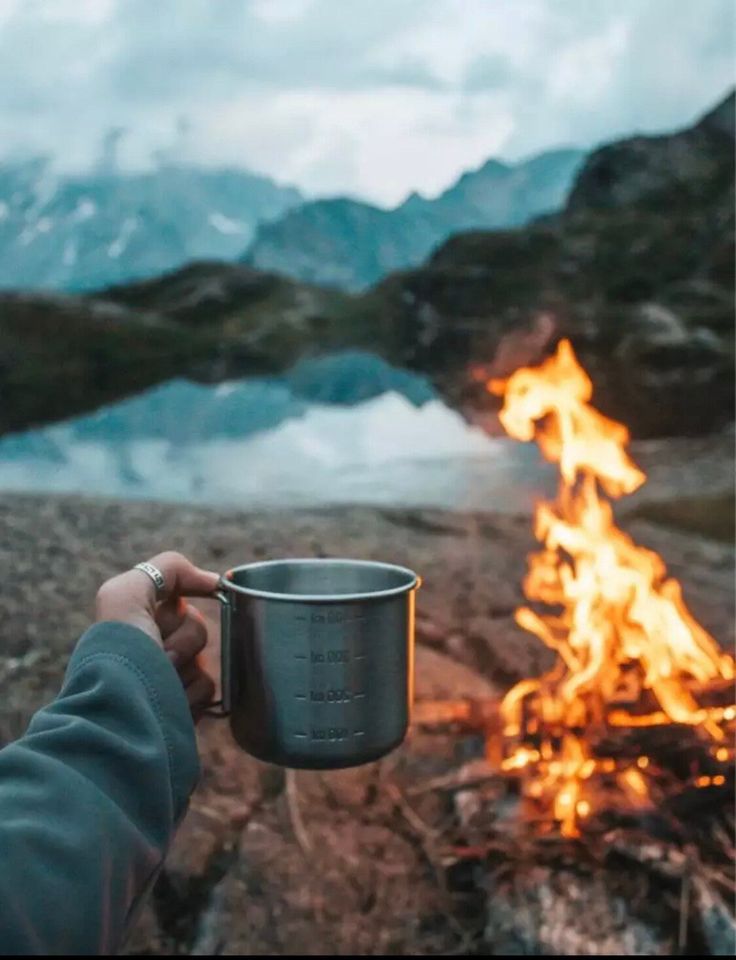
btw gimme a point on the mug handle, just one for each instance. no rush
(221, 707)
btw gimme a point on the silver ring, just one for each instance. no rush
(155, 574)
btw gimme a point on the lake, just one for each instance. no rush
(347, 429)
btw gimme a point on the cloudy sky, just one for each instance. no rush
(373, 98)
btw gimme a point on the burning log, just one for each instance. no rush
(470, 715)
(478, 716)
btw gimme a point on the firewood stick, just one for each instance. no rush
(470, 774)
(410, 814)
(716, 693)
(297, 823)
(469, 714)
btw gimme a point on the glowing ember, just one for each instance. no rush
(623, 635)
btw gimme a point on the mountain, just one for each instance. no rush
(83, 232)
(684, 167)
(62, 354)
(86, 231)
(350, 245)
(638, 270)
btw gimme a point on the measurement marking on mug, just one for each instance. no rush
(330, 656)
(336, 616)
(300, 696)
(300, 656)
(329, 733)
(358, 696)
(301, 736)
(330, 696)
(359, 733)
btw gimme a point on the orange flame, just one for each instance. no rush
(620, 625)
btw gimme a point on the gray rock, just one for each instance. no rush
(562, 912)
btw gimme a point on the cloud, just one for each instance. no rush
(485, 73)
(372, 98)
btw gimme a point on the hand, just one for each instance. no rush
(169, 620)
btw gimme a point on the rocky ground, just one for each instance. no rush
(333, 863)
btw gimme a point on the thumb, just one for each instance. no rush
(182, 578)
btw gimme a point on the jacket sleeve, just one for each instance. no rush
(90, 797)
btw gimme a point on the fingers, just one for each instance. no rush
(189, 671)
(199, 688)
(200, 692)
(170, 615)
(182, 647)
(187, 639)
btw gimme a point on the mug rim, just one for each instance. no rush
(413, 581)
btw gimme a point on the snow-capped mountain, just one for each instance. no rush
(80, 232)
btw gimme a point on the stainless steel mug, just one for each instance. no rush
(317, 659)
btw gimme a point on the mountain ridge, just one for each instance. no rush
(351, 244)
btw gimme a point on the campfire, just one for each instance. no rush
(614, 770)
(629, 654)
(637, 713)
